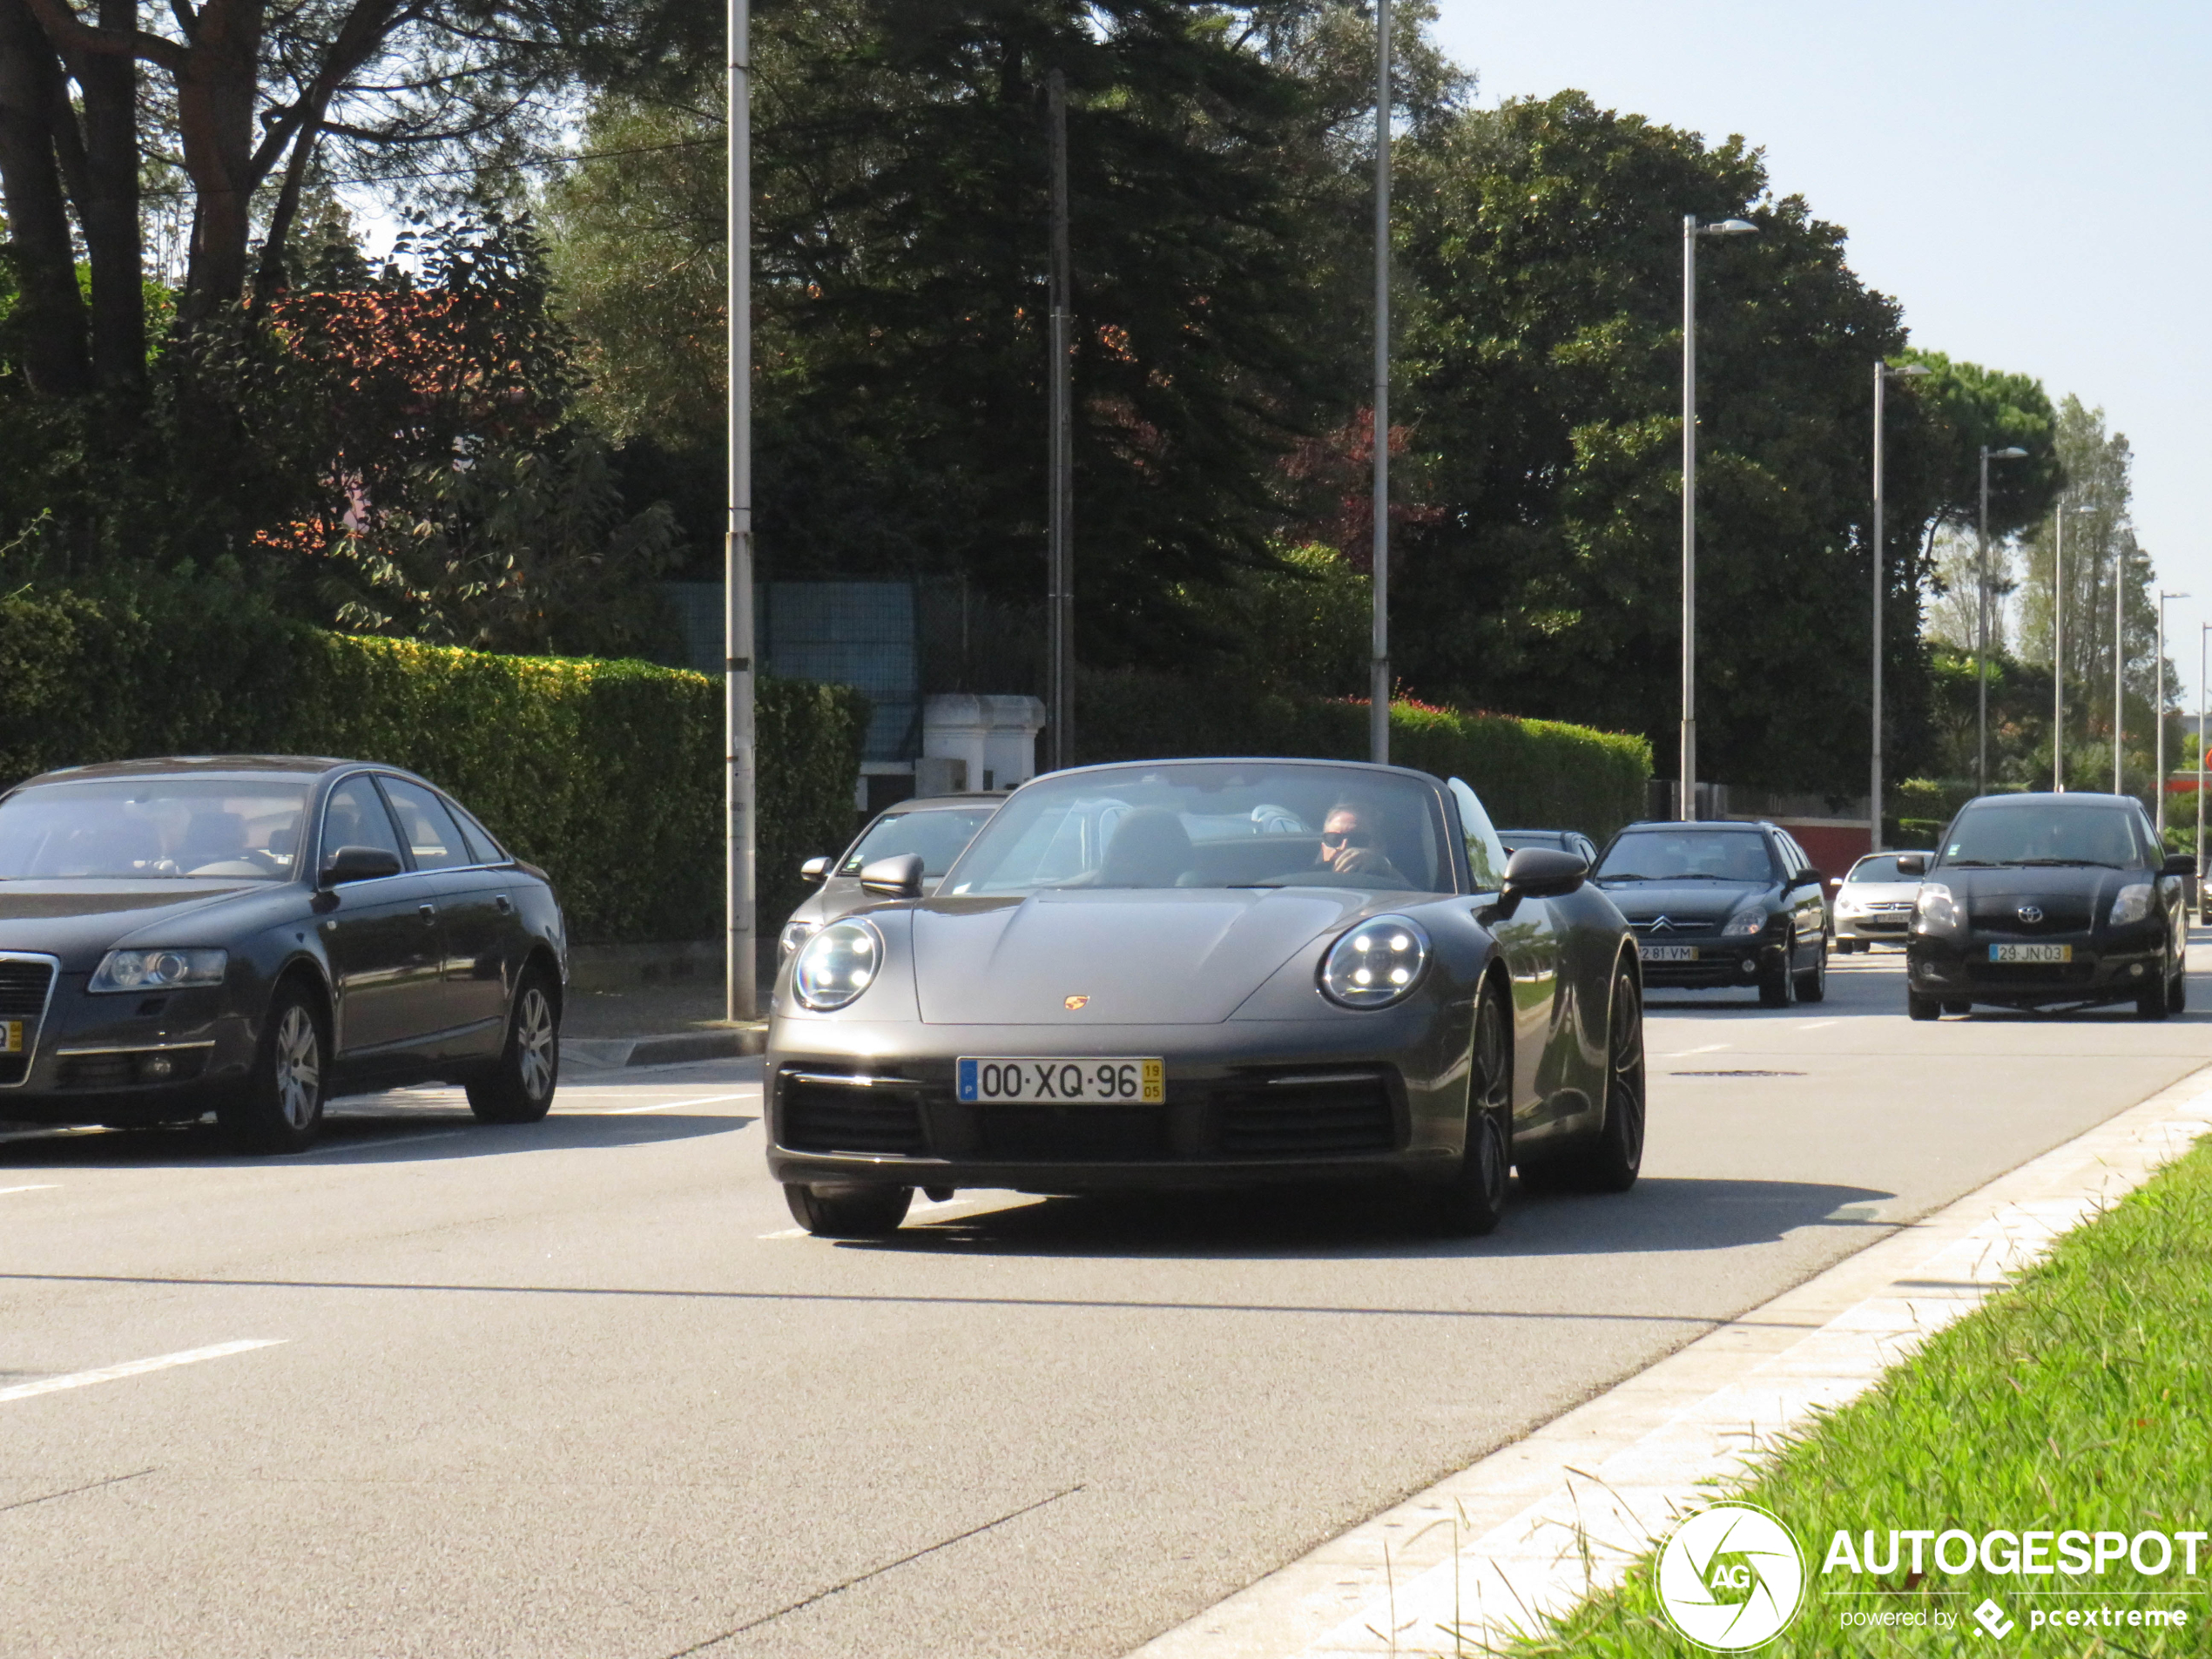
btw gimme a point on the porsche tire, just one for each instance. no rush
(279, 1108)
(859, 1211)
(1473, 1202)
(1609, 1160)
(519, 1088)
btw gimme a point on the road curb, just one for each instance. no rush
(675, 1048)
(1535, 1528)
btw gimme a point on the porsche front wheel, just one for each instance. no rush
(1474, 1202)
(853, 1211)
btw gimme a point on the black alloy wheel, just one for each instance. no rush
(279, 1108)
(1473, 1202)
(859, 1211)
(1779, 985)
(1812, 985)
(519, 1088)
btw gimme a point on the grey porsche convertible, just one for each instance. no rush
(1213, 973)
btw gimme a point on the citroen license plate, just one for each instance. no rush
(1032, 1081)
(1669, 952)
(2031, 953)
(10, 1037)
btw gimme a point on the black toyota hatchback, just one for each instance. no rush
(250, 935)
(1720, 904)
(2047, 900)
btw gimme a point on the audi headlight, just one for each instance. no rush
(158, 970)
(1376, 963)
(1936, 911)
(796, 933)
(837, 963)
(2130, 904)
(1744, 923)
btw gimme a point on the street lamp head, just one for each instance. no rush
(2010, 453)
(1907, 371)
(1730, 228)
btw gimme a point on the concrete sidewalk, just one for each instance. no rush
(654, 1025)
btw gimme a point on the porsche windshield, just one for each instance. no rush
(1688, 855)
(1212, 824)
(2045, 835)
(132, 828)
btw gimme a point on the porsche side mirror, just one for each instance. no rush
(1541, 873)
(2179, 864)
(359, 864)
(1913, 864)
(815, 868)
(894, 878)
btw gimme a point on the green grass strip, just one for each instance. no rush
(2079, 1397)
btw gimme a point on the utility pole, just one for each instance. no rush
(2158, 713)
(1883, 375)
(2203, 634)
(741, 782)
(1378, 678)
(1060, 579)
(2118, 655)
(1981, 621)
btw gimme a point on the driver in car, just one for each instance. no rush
(1352, 842)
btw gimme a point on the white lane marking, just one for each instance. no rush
(667, 1105)
(1815, 1025)
(378, 1146)
(1684, 1053)
(137, 1367)
(43, 1186)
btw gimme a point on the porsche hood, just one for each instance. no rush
(1133, 957)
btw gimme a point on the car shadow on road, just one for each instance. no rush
(1660, 1214)
(357, 1138)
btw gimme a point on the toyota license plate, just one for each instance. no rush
(1086, 1082)
(1669, 952)
(2031, 953)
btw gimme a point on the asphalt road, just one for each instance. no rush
(579, 1388)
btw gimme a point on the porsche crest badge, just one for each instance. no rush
(1076, 1002)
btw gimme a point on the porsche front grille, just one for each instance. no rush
(832, 1114)
(1305, 1116)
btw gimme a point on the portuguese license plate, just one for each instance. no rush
(1669, 952)
(2031, 953)
(10, 1037)
(1034, 1081)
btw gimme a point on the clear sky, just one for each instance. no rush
(2029, 179)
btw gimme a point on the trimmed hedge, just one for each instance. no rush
(1531, 774)
(607, 773)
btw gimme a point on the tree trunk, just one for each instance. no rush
(31, 93)
(215, 99)
(108, 206)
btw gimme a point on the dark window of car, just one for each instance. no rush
(1880, 867)
(1799, 859)
(937, 833)
(153, 826)
(432, 836)
(2036, 834)
(354, 816)
(1689, 855)
(1212, 824)
(481, 848)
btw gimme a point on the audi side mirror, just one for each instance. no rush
(815, 868)
(894, 878)
(359, 864)
(1914, 865)
(1541, 873)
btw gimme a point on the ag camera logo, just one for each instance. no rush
(1731, 1578)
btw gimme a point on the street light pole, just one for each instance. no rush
(1883, 375)
(2119, 655)
(1981, 621)
(1691, 230)
(1378, 678)
(2203, 634)
(2058, 650)
(741, 779)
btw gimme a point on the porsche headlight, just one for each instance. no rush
(1744, 923)
(158, 970)
(2130, 904)
(837, 963)
(1936, 911)
(1376, 963)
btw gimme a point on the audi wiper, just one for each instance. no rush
(2038, 863)
(1621, 875)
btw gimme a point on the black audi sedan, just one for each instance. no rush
(251, 935)
(1722, 904)
(2045, 901)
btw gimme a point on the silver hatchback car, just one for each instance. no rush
(1873, 903)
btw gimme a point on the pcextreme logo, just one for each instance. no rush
(1731, 1578)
